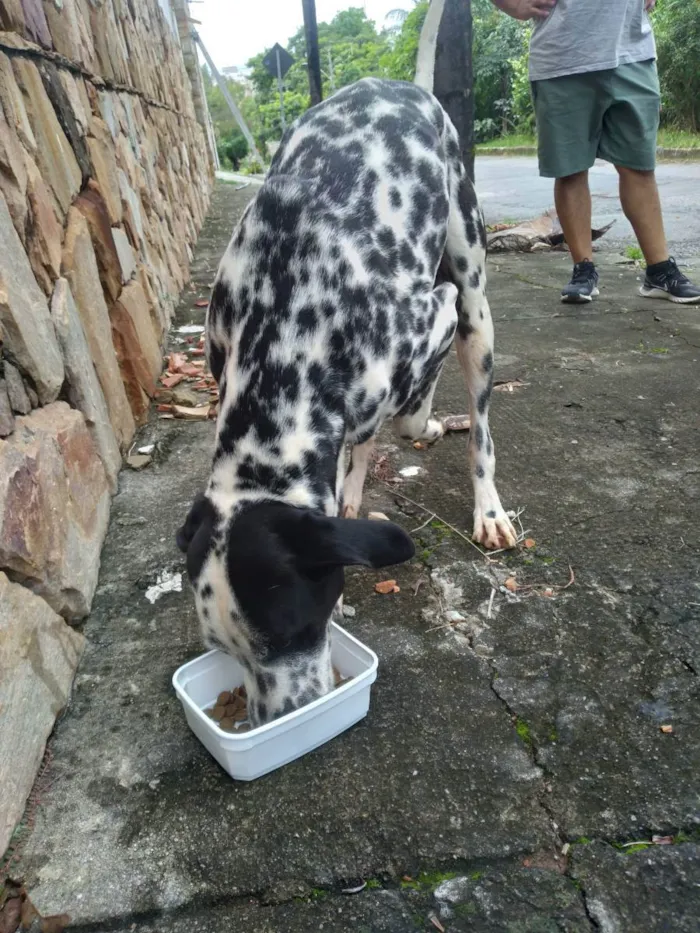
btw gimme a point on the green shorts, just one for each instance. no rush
(611, 115)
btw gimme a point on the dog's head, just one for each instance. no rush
(266, 580)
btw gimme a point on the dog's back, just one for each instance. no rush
(323, 312)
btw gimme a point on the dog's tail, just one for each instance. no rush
(427, 45)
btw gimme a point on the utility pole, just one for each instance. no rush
(453, 82)
(280, 88)
(312, 54)
(237, 115)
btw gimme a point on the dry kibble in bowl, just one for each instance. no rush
(230, 711)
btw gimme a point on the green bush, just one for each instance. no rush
(677, 27)
(232, 148)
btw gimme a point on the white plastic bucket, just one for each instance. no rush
(252, 754)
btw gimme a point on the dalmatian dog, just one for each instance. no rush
(325, 320)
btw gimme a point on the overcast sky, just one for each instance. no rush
(235, 30)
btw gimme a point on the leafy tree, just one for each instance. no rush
(499, 42)
(677, 27)
(351, 47)
(399, 61)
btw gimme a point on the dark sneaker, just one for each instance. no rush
(665, 280)
(583, 285)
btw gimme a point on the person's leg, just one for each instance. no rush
(572, 198)
(569, 112)
(628, 140)
(639, 196)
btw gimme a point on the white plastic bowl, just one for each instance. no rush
(252, 754)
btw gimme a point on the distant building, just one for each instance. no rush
(240, 74)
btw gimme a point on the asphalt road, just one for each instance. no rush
(510, 187)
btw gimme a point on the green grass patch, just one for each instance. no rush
(667, 139)
(678, 139)
(373, 884)
(658, 351)
(511, 141)
(523, 730)
(635, 253)
(637, 847)
(428, 880)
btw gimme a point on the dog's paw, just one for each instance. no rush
(434, 430)
(349, 511)
(493, 529)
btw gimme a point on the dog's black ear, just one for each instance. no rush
(195, 517)
(319, 541)
(194, 538)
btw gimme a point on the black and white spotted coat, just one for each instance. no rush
(325, 320)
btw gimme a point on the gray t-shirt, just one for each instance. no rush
(580, 36)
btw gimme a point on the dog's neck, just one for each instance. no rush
(299, 468)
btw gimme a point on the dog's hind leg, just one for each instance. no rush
(415, 421)
(465, 256)
(355, 478)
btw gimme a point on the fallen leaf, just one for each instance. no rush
(197, 351)
(178, 363)
(511, 584)
(191, 369)
(668, 730)
(456, 423)
(29, 912)
(175, 361)
(436, 923)
(201, 412)
(170, 380)
(497, 228)
(509, 385)
(138, 461)
(419, 446)
(202, 303)
(378, 517)
(10, 913)
(529, 543)
(662, 840)
(55, 924)
(407, 878)
(396, 589)
(548, 592)
(386, 586)
(164, 408)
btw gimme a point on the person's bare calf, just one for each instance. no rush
(639, 197)
(572, 197)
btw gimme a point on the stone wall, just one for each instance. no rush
(106, 167)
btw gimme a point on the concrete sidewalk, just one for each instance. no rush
(510, 759)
